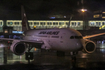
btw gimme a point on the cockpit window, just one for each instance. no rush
(72, 37)
(76, 37)
(80, 37)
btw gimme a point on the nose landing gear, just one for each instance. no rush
(73, 58)
(73, 55)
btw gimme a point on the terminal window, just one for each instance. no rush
(73, 23)
(16, 23)
(67, 23)
(98, 23)
(49, 23)
(10, 23)
(0, 23)
(42, 23)
(78, 23)
(103, 23)
(36, 23)
(55, 23)
(92, 23)
(61, 23)
(30, 23)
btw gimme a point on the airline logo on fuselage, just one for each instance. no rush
(50, 32)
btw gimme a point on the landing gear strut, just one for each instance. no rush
(73, 56)
(29, 55)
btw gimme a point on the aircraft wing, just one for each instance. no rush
(25, 41)
(90, 36)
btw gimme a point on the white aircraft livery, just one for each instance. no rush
(59, 39)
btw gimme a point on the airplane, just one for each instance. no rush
(60, 39)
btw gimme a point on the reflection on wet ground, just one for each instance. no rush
(47, 60)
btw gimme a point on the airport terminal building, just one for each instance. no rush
(40, 24)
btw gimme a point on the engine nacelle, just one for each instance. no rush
(18, 47)
(89, 46)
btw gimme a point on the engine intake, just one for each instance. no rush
(18, 48)
(89, 46)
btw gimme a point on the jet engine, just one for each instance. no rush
(89, 46)
(18, 47)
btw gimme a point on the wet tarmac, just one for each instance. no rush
(47, 60)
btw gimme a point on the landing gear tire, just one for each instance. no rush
(60, 53)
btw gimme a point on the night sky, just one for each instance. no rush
(10, 9)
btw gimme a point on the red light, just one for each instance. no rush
(8, 41)
(8, 47)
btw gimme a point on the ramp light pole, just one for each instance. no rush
(83, 11)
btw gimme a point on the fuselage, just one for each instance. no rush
(64, 39)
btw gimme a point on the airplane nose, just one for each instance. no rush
(78, 44)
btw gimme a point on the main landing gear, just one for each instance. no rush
(29, 55)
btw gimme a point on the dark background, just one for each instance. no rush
(11, 9)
